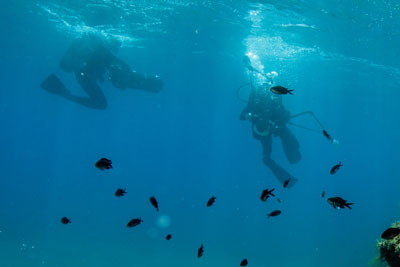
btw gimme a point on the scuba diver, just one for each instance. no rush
(89, 60)
(269, 118)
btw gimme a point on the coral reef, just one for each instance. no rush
(390, 249)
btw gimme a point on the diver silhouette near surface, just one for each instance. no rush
(89, 60)
(269, 118)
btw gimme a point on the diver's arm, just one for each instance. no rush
(248, 109)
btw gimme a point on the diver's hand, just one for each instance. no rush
(245, 116)
(249, 116)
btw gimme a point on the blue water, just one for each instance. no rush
(187, 143)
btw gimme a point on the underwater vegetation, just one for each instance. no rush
(389, 245)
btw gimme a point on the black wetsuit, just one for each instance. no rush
(90, 60)
(269, 118)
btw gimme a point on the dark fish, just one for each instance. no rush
(266, 193)
(280, 90)
(264, 197)
(103, 164)
(244, 262)
(274, 213)
(338, 203)
(211, 201)
(120, 192)
(327, 135)
(390, 233)
(134, 222)
(200, 251)
(323, 194)
(154, 202)
(279, 200)
(285, 184)
(168, 237)
(336, 168)
(65, 220)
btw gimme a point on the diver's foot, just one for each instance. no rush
(280, 173)
(54, 85)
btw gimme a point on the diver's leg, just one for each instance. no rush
(96, 99)
(281, 174)
(290, 145)
(266, 142)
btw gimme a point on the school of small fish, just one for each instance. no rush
(335, 202)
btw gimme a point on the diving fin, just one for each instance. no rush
(281, 174)
(54, 85)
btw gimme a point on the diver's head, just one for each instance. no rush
(272, 74)
(270, 77)
(247, 62)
